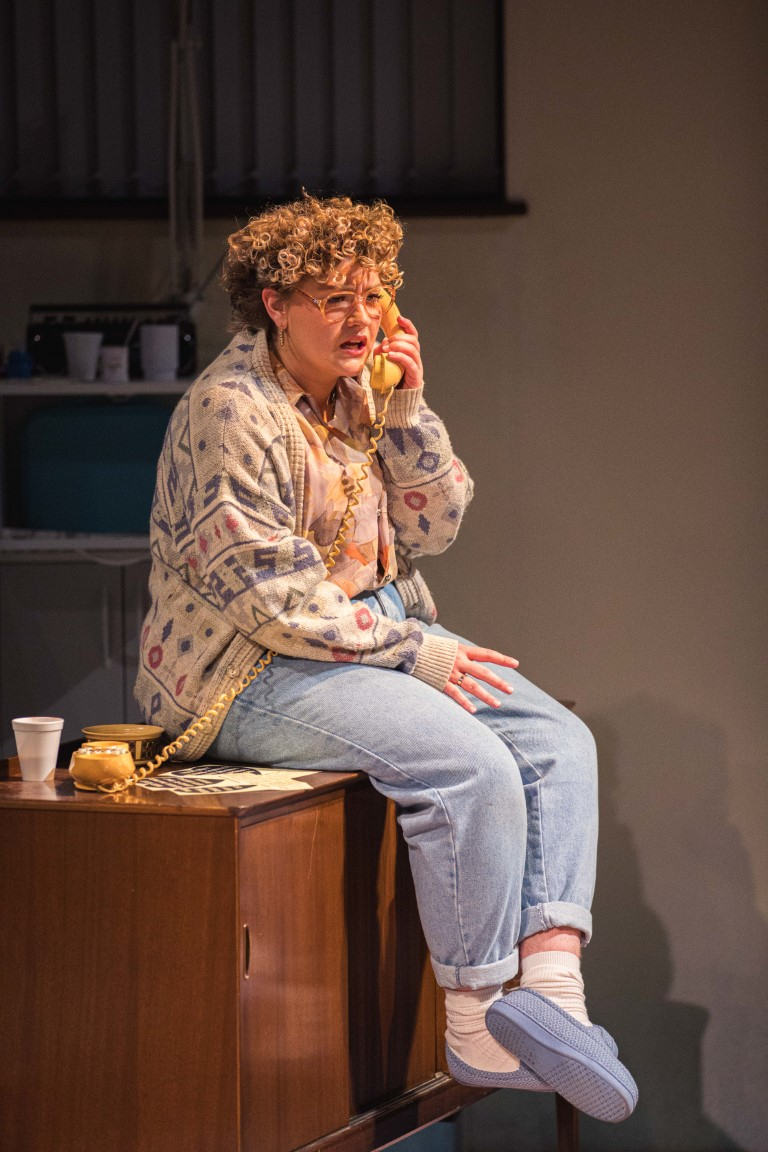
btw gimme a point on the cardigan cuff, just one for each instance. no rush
(403, 410)
(435, 661)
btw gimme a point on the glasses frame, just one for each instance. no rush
(320, 302)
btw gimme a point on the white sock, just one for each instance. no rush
(557, 975)
(467, 1034)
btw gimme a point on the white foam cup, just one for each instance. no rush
(113, 363)
(159, 351)
(82, 354)
(37, 743)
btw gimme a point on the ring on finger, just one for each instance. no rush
(460, 679)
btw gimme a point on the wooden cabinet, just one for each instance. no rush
(245, 974)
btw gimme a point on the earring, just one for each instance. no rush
(282, 337)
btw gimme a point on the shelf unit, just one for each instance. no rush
(71, 603)
(61, 386)
(23, 545)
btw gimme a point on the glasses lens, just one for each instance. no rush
(339, 304)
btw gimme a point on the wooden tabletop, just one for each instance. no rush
(60, 793)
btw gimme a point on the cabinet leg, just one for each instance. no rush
(567, 1126)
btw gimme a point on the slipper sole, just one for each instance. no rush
(592, 1080)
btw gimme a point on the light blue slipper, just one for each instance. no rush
(606, 1038)
(578, 1062)
(523, 1079)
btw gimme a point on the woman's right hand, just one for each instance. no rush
(469, 668)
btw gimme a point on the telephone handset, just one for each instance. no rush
(384, 375)
(108, 769)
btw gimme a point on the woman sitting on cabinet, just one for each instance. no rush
(494, 781)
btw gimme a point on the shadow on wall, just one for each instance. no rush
(629, 966)
(629, 973)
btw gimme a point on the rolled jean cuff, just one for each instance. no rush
(540, 917)
(480, 976)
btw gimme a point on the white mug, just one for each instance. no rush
(159, 351)
(82, 354)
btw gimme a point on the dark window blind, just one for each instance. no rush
(397, 98)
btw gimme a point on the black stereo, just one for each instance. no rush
(120, 323)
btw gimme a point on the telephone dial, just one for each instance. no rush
(96, 767)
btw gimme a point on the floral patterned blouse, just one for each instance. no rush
(335, 456)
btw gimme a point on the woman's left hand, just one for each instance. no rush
(470, 662)
(403, 350)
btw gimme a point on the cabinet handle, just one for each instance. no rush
(246, 952)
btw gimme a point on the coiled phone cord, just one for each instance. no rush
(207, 719)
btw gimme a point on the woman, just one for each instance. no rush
(494, 781)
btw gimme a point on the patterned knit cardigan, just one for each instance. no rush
(232, 575)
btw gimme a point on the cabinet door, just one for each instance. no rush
(339, 1000)
(119, 942)
(60, 645)
(293, 994)
(395, 1040)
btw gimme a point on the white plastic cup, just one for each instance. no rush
(82, 354)
(159, 351)
(113, 364)
(37, 743)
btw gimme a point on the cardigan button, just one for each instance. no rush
(233, 672)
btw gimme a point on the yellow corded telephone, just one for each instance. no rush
(384, 375)
(105, 768)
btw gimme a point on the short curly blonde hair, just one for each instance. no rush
(309, 237)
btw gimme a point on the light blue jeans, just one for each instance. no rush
(499, 808)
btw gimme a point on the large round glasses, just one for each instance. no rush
(336, 306)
